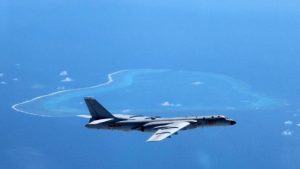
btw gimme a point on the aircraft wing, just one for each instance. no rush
(165, 131)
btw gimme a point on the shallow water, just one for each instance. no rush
(144, 91)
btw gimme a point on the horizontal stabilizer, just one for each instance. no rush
(84, 116)
(95, 122)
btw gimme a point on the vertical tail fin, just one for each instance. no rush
(97, 111)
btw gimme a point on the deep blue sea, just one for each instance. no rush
(48, 46)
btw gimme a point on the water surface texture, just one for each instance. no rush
(149, 91)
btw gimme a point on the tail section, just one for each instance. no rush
(97, 111)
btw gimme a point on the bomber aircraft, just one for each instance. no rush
(163, 127)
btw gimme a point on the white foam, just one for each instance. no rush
(63, 73)
(288, 122)
(287, 132)
(67, 79)
(110, 80)
(168, 104)
(198, 83)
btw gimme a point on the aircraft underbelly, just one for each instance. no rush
(117, 126)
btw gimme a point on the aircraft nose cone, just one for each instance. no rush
(232, 122)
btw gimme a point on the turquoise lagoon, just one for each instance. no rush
(155, 92)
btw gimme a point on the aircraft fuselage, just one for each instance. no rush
(162, 127)
(148, 125)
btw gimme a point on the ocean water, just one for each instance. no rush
(49, 46)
